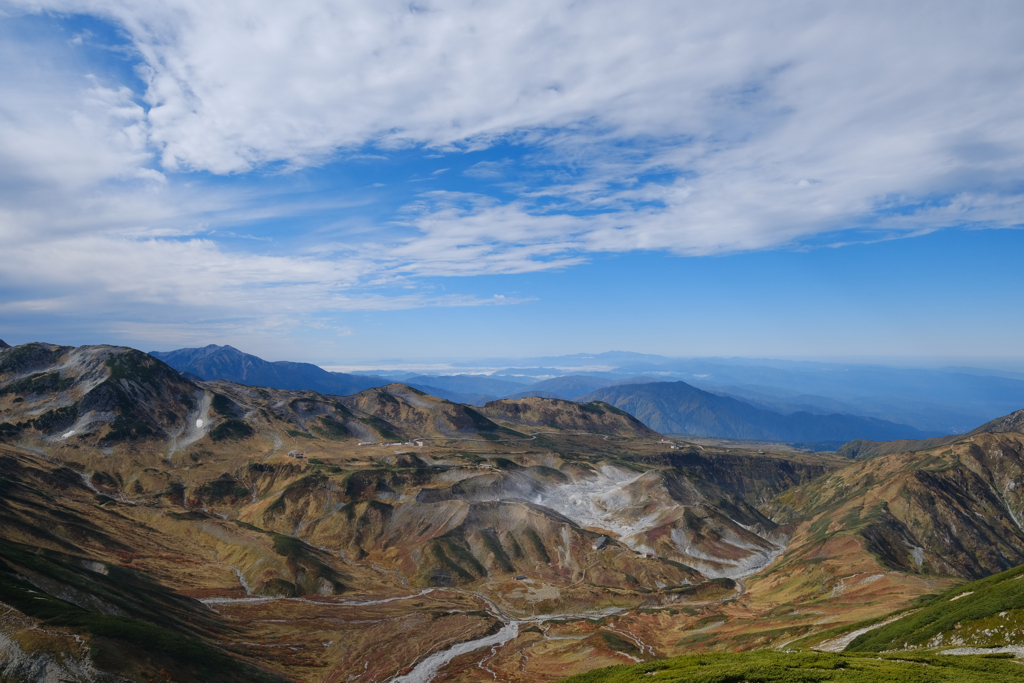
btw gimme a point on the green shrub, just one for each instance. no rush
(232, 429)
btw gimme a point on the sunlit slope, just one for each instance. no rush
(985, 614)
(67, 570)
(105, 394)
(331, 531)
(422, 415)
(547, 413)
(754, 476)
(862, 448)
(94, 585)
(1014, 422)
(949, 511)
(808, 667)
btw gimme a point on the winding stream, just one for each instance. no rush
(425, 671)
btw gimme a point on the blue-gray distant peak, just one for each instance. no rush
(228, 363)
(679, 408)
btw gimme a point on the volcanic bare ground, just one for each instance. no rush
(152, 527)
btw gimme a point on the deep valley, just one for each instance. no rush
(156, 526)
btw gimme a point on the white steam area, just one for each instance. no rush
(605, 500)
(594, 503)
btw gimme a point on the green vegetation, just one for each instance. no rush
(538, 545)
(612, 409)
(505, 464)
(55, 419)
(383, 428)
(304, 561)
(224, 489)
(705, 590)
(613, 641)
(158, 634)
(37, 384)
(126, 427)
(329, 428)
(454, 557)
(190, 516)
(175, 492)
(385, 397)
(17, 358)
(480, 422)
(770, 666)
(223, 405)
(231, 429)
(11, 429)
(979, 600)
(494, 546)
(137, 366)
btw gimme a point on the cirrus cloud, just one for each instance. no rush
(687, 127)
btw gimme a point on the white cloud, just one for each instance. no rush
(487, 170)
(691, 127)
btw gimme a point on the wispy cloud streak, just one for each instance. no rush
(676, 126)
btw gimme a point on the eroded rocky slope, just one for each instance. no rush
(333, 538)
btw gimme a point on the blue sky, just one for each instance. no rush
(343, 182)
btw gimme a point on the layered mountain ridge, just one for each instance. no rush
(665, 406)
(292, 533)
(679, 408)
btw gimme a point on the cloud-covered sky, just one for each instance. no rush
(330, 181)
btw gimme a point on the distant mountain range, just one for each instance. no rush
(678, 408)
(134, 497)
(665, 406)
(228, 363)
(944, 400)
(863, 449)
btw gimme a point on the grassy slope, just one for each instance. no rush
(958, 609)
(784, 667)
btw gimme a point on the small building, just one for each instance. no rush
(296, 454)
